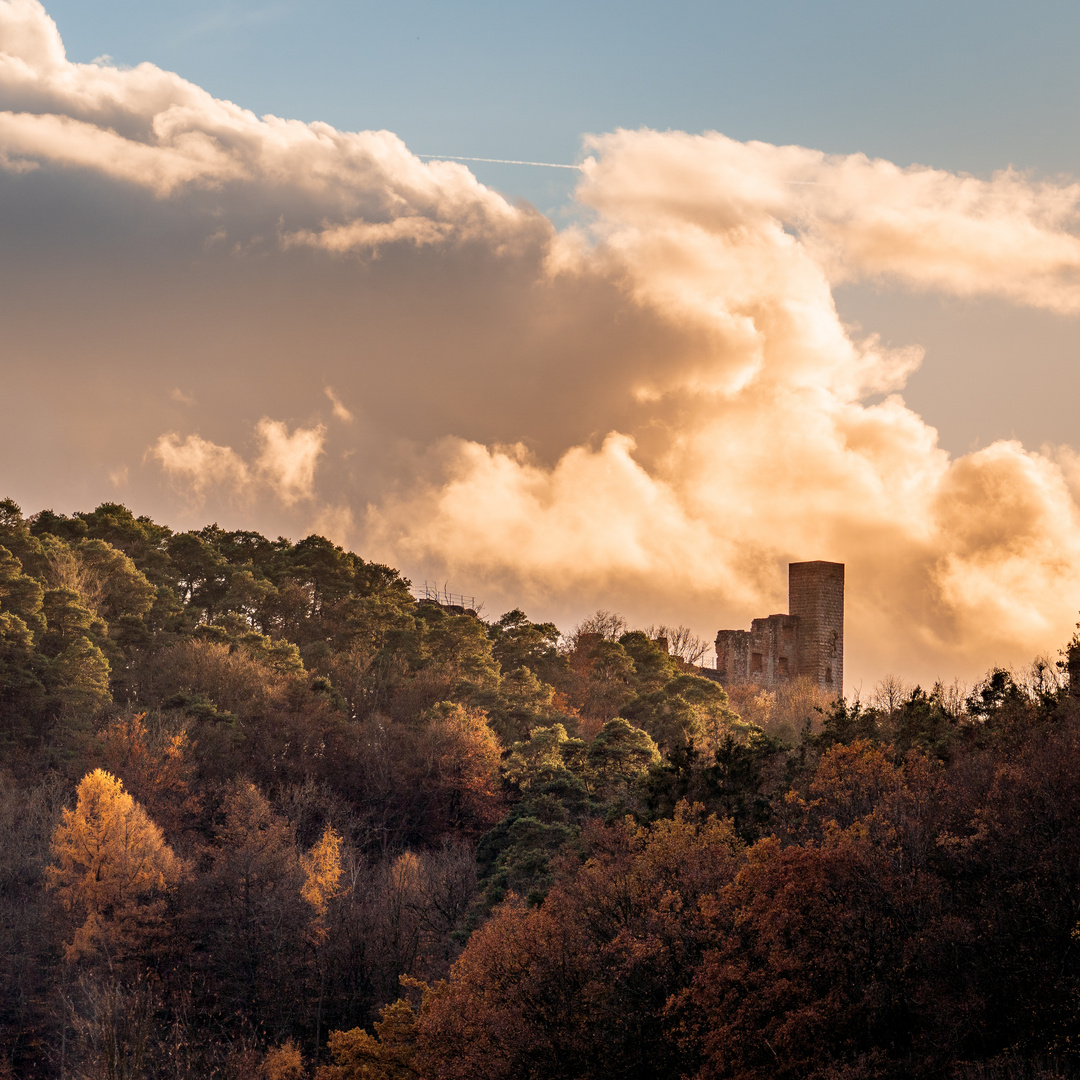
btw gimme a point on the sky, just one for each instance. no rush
(812, 291)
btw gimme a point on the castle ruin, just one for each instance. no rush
(808, 641)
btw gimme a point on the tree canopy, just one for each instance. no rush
(264, 813)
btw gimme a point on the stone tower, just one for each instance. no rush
(816, 598)
(808, 641)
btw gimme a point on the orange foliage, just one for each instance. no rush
(389, 1055)
(543, 991)
(155, 766)
(322, 876)
(112, 866)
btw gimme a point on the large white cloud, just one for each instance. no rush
(652, 410)
(151, 128)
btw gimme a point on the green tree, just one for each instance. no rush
(253, 916)
(619, 754)
(520, 703)
(686, 710)
(78, 677)
(68, 619)
(519, 643)
(21, 690)
(547, 753)
(603, 674)
(653, 667)
(20, 594)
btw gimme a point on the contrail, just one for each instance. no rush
(553, 165)
(499, 161)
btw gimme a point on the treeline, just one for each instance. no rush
(263, 814)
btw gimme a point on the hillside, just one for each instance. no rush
(265, 813)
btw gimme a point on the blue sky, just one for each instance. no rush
(969, 86)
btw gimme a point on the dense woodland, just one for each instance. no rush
(265, 815)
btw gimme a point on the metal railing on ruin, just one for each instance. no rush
(433, 592)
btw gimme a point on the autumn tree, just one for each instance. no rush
(389, 1054)
(154, 760)
(579, 985)
(322, 876)
(111, 869)
(284, 1062)
(457, 759)
(322, 884)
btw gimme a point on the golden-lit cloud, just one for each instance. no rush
(652, 410)
(770, 449)
(197, 464)
(853, 217)
(285, 463)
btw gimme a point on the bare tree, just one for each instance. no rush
(682, 643)
(114, 1027)
(952, 697)
(890, 692)
(608, 624)
(67, 571)
(1041, 676)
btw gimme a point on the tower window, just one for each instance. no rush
(757, 662)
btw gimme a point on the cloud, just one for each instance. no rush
(336, 523)
(198, 464)
(650, 411)
(370, 236)
(854, 217)
(152, 129)
(763, 445)
(340, 412)
(285, 463)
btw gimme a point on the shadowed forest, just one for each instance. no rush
(264, 814)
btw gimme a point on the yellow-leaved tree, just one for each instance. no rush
(322, 883)
(112, 868)
(322, 877)
(390, 1054)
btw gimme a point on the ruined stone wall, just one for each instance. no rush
(767, 654)
(809, 640)
(733, 655)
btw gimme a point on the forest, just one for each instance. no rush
(265, 815)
